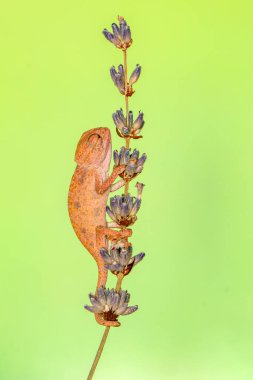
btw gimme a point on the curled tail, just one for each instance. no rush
(102, 272)
(102, 277)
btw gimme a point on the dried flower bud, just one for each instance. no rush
(124, 208)
(128, 127)
(135, 75)
(118, 78)
(139, 189)
(134, 164)
(111, 37)
(110, 304)
(138, 123)
(121, 36)
(120, 259)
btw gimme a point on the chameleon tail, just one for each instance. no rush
(102, 277)
(101, 234)
(102, 322)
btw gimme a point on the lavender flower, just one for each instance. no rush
(110, 304)
(118, 78)
(120, 259)
(121, 35)
(124, 207)
(126, 127)
(134, 164)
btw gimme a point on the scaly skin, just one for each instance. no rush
(87, 199)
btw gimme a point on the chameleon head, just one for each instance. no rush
(94, 147)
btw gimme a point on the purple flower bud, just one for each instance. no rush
(123, 258)
(121, 70)
(138, 258)
(139, 122)
(120, 124)
(110, 213)
(136, 207)
(91, 309)
(116, 31)
(106, 257)
(124, 210)
(111, 37)
(118, 78)
(121, 115)
(142, 159)
(116, 208)
(120, 84)
(127, 34)
(127, 155)
(121, 310)
(135, 75)
(139, 169)
(122, 158)
(130, 119)
(113, 73)
(135, 155)
(130, 310)
(122, 25)
(93, 300)
(139, 189)
(116, 157)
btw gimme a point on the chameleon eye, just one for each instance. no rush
(95, 139)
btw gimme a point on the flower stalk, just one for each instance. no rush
(99, 352)
(104, 337)
(127, 117)
(112, 303)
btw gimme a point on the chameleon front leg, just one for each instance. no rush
(121, 183)
(103, 186)
(113, 225)
(103, 234)
(117, 185)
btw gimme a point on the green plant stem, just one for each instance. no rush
(119, 282)
(126, 84)
(99, 352)
(127, 139)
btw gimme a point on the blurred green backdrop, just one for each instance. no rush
(194, 288)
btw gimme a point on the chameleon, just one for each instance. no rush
(87, 198)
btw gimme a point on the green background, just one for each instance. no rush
(194, 288)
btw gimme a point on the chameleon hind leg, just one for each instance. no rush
(103, 234)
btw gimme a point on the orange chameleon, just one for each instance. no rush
(87, 199)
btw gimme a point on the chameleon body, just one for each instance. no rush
(87, 199)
